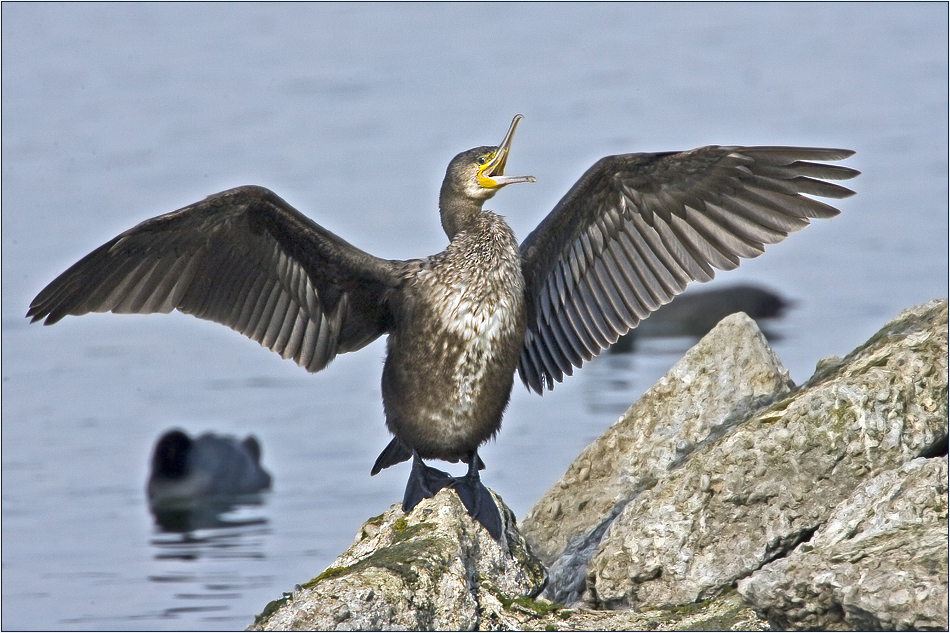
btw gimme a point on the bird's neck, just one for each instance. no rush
(459, 212)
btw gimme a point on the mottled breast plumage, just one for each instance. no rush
(465, 314)
(476, 284)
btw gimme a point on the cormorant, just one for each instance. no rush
(624, 240)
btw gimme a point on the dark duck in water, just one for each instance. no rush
(186, 470)
(626, 239)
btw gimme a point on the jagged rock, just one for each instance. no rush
(719, 382)
(432, 569)
(750, 497)
(699, 494)
(878, 563)
(724, 613)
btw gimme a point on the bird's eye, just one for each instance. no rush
(481, 160)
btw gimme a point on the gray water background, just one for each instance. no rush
(113, 113)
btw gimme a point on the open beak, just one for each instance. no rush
(491, 175)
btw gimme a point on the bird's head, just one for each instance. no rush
(170, 459)
(479, 173)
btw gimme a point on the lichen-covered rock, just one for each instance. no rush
(435, 568)
(727, 612)
(750, 497)
(720, 381)
(878, 563)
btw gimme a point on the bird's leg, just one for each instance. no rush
(476, 498)
(424, 483)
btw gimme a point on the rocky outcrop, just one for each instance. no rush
(826, 506)
(688, 492)
(878, 563)
(729, 374)
(434, 568)
(723, 613)
(751, 496)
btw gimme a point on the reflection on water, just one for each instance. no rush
(207, 498)
(191, 547)
(202, 575)
(210, 513)
(237, 539)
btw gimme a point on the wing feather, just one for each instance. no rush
(636, 228)
(243, 258)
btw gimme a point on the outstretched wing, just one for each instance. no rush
(636, 228)
(243, 258)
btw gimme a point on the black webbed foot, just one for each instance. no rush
(425, 482)
(477, 500)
